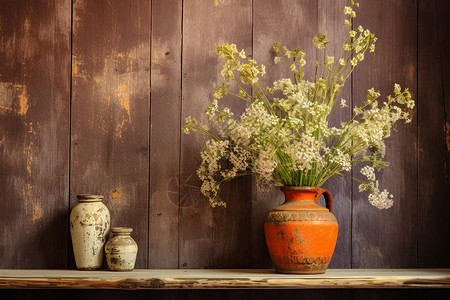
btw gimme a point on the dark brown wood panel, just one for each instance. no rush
(216, 294)
(211, 237)
(388, 238)
(110, 110)
(293, 24)
(163, 295)
(434, 134)
(108, 294)
(391, 294)
(33, 294)
(165, 134)
(301, 294)
(331, 23)
(34, 134)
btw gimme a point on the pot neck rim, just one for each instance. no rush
(121, 230)
(299, 193)
(305, 189)
(90, 198)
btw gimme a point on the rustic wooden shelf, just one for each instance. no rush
(223, 279)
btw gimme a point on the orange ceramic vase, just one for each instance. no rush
(300, 234)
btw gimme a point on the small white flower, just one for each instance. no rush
(342, 104)
(382, 200)
(368, 172)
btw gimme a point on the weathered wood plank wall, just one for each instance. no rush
(76, 116)
(165, 134)
(110, 110)
(267, 28)
(433, 117)
(211, 238)
(34, 133)
(330, 23)
(391, 244)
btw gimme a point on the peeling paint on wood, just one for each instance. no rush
(110, 110)
(447, 134)
(28, 148)
(37, 212)
(34, 111)
(115, 194)
(14, 97)
(78, 70)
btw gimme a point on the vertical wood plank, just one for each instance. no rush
(293, 24)
(388, 238)
(210, 237)
(331, 23)
(434, 134)
(110, 110)
(165, 133)
(34, 134)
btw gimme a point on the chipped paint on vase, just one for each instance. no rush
(121, 250)
(89, 227)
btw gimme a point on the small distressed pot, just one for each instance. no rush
(89, 227)
(121, 250)
(300, 234)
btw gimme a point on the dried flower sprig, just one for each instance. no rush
(283, 136)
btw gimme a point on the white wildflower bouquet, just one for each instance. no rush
(283, 137)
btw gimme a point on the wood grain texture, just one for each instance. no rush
(224, 279)
(291, 32)
(165, 134)
(96, 137)
(388, 238)
(110, 110)
(434, 137)
(331, 23)
(210, 237)
(34, 133)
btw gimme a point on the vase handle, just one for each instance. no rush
(328, 198)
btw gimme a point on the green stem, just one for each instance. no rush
(266, 99)
(242, 89)
(240, 97)
(206, 131)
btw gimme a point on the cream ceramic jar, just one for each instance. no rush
(121, 250)
(89, 227)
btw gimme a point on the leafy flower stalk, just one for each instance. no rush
(283, 136)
